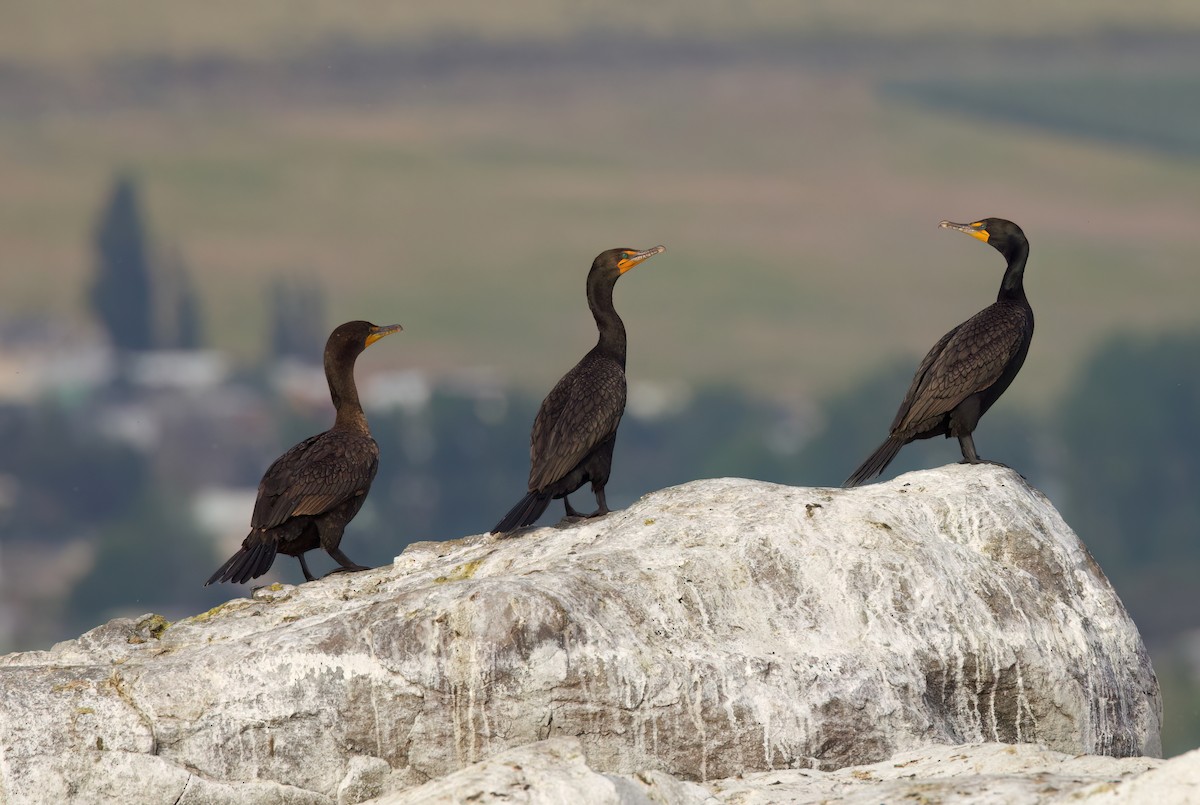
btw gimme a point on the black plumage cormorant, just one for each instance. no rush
(312, 491)
(971, 366)
(576, 427)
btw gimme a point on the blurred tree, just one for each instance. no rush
(121, 295)
(68, 479)
(153, 559)
(446, 470)
(181, 324)
(720, 433)
(1176, 670)
(298, 328)
(1130, 428)
(190, 332)
(855, 422)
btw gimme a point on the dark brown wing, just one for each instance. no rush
(316, 475)
(581, 411)
(966, 360)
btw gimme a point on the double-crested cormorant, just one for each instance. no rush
(972, 365)
(576, 427)
(312, 491)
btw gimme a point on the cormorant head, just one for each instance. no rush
(1002, 235)
(616, 262)
(348, 340)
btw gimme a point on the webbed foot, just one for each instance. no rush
(350, 569)
(986, 461)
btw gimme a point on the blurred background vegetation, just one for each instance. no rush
(194, 195)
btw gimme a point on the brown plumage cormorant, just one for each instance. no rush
(576, 427)
(312, 491)
(971, 366)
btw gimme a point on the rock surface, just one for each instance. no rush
(554, 771)
(714, 629)
(550, 771)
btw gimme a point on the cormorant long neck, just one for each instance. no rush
(339, 373)
(1013, 285)
(612, 329)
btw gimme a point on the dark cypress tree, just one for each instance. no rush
(297, 319)
(121, 295)
(188, 320)
(182, 324)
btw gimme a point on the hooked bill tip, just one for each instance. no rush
(968, 228)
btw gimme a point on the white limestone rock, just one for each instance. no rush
(550, 771)
(1167, 782)
(971, 774)
(714, 629)
(554, 771)
(131, 778)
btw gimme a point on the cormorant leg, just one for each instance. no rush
(308, 576)
(571, 509)
(347, 565)
(601, 503)
(968, 449)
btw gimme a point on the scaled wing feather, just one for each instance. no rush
(582, 411)
(314, 477)
(967, 360)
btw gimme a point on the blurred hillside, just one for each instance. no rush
(458, 169)
(78, 32)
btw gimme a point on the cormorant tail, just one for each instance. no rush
(250, 562)
(528, 509)
(876, 463)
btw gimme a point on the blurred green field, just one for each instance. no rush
(798, 202)
(79, 32)
(1156, 112)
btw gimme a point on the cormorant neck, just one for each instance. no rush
(344, 393)
(1013, 284)
(612, 329)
